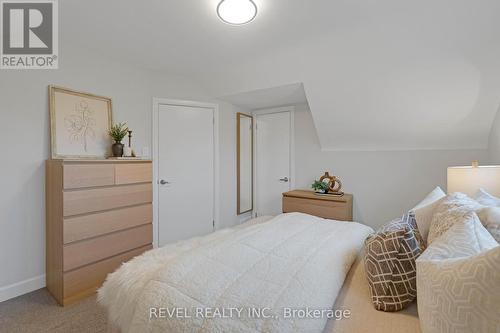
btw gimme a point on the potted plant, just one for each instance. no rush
(117, 132)
(321, 186)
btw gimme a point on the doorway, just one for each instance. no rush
(185, 163)
(274, 150)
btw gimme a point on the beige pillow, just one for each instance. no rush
(486, 199)
(490, 218)
(448, 211)
(425, 209)
(458, 279)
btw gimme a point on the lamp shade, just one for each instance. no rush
(469, 179)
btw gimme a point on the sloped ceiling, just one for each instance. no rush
(290, 94)
(378, 74)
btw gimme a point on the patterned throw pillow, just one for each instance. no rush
(458, 278)
(390, 256)
(451, 209)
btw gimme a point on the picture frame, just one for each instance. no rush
(79, 124)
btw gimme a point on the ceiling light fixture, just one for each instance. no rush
(237, 12)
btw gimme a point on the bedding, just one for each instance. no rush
(489, 215)
(122, 288)
(425, 209)
(452, 208)
(458, 278)
(390, 263)
(291, 263)
(487, 199)
(490, 218)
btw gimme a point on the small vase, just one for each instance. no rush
(117, 149)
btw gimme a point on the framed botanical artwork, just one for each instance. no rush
(79, 124)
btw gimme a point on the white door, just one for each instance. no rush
(273, 161)
(185, 172)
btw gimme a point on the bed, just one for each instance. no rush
(268, 268)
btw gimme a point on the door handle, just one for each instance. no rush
(284, 180)
(163, 182)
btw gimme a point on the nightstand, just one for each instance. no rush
(327, 206)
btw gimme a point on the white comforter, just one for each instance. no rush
(223, 281)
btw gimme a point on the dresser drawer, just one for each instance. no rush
(321, 208)
(95, 249)
(96, 224)
(88, 175)
(94, 200)
(133, 173)
(87, 279)
(98, 214)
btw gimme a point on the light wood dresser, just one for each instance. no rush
(326, 206)
(99, 215)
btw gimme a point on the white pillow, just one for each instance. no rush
(486, 199)
(450, 209)
(425, 209)
(490, 218)
(457, 280)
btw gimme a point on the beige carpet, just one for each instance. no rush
(39, 312)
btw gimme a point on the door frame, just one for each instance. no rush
(155, 153)
(255, 114)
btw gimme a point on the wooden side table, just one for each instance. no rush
(326, 206)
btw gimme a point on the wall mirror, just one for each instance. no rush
(244, 126)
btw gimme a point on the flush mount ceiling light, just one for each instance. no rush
(237, 12)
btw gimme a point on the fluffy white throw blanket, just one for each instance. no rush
(252, 278)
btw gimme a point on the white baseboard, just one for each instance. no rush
(21, 288)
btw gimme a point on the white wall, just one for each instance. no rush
(385, 184)
(25, 141)
(494, 141)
